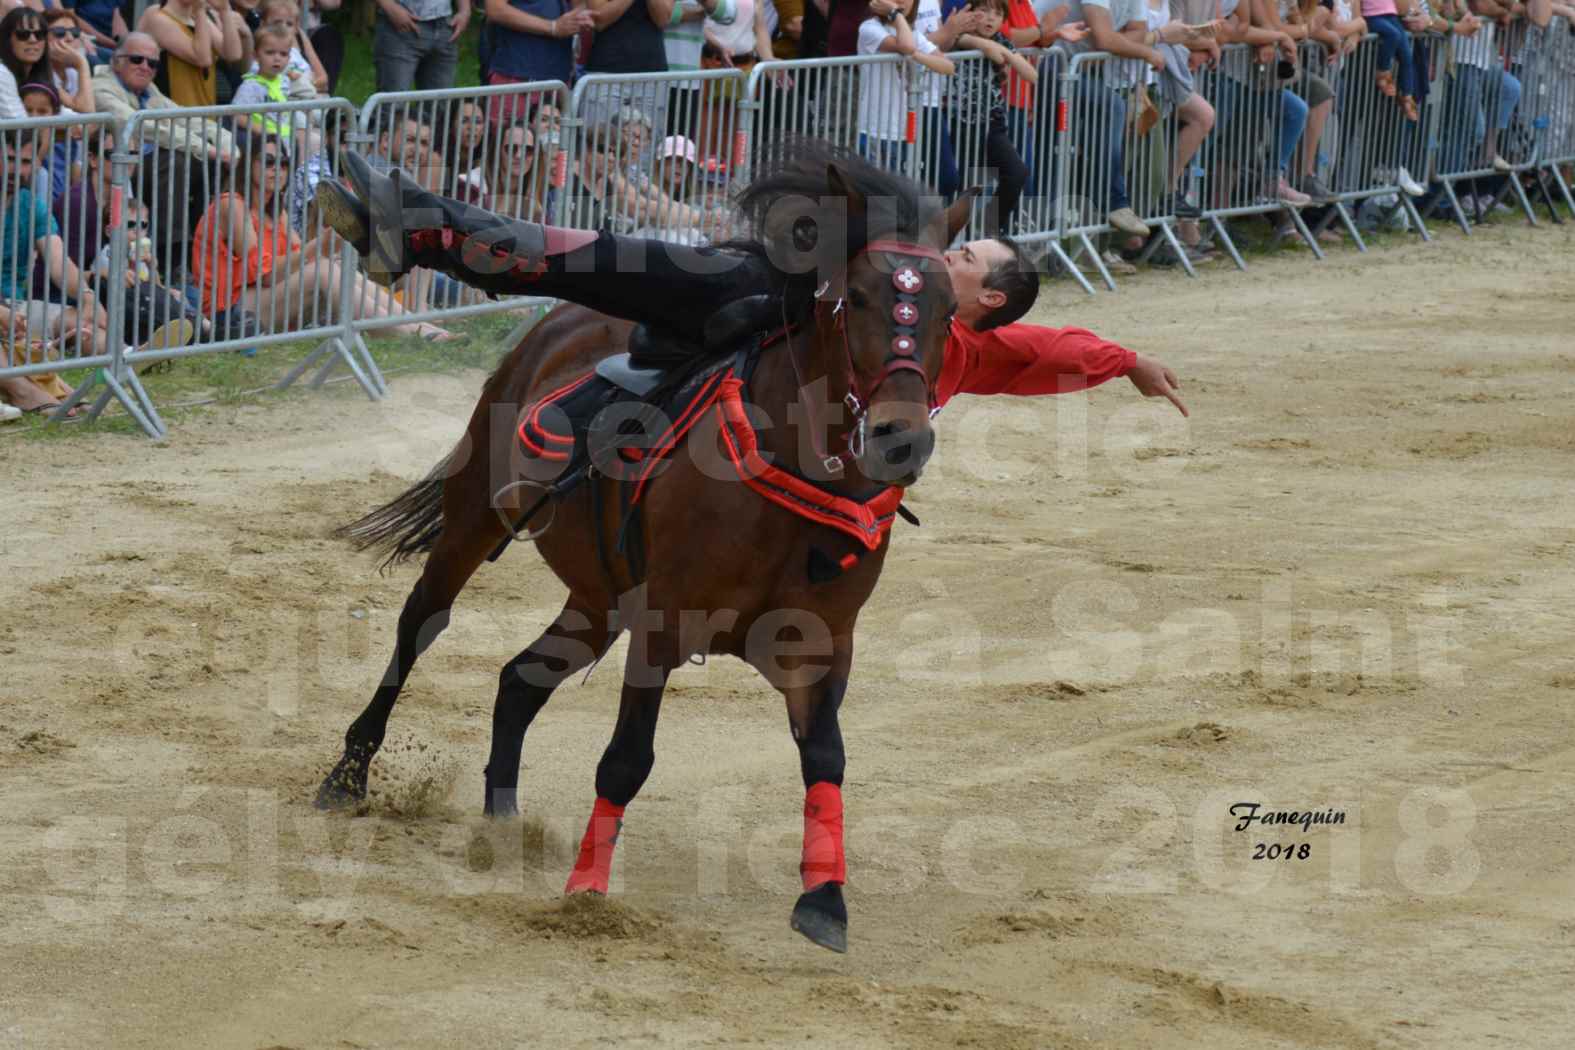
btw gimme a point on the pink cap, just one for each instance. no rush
(677, 145)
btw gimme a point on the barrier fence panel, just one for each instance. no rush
(1559, 151)
(1245, 156)
(655, 154)
(1038, 216)
(218, 236)
(53, 288)
(1533, 55)
(861, 103)
(502, 148)
(1322, 143)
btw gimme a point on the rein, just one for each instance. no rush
(908, 279)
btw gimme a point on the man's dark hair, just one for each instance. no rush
(1018, 278)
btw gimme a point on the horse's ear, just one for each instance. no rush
(959, 210)
(841, 187)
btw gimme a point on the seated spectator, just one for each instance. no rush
(678, 176)
(177, 155)
(195, 36)
(630, 200)
(250, 264)
(27, 229)
(465, 150)
(406, 142)
(82, 212)
(23, 59)
(1236, 87)
(1394, 50)
(1294, 19)
(68, 64)
(60, 158)
(150, 304)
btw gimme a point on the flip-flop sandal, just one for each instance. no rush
(1386, 82)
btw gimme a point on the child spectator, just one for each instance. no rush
(978, 100)
(1394, 49)
(883, 95)
(304, 76)
(60, 158)
(266, 84)
(150, 304)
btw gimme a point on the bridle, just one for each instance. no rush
(901, 356)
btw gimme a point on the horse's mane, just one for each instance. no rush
(798, 224)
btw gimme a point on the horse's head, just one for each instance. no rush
(883, 324)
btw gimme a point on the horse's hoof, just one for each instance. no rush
(342, 788)
(822, 916)
(501, 803)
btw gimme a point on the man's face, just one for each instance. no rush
(410, 144)
(967, 266)
(136, 65)
(19, 164)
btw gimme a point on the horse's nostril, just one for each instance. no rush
(885, 430)
(896, 457)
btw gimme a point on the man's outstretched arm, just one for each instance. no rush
(1028, 360)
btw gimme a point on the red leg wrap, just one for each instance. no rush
(594, 866)
(823, 857)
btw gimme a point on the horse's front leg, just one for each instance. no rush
(821, 914)
(628, 758)
(577, 637)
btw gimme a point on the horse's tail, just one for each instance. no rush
(407, 525)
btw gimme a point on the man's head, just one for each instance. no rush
(994, 281)
(407, 142)
(136, 61)
(19, 147)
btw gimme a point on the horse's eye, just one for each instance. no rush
(858, 298)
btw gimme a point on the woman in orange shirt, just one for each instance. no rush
(245, 257)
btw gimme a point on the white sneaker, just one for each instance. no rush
(1411, 187)
(9, 413)
(1502, 165)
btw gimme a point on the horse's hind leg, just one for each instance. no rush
(455, 557)
(626, 762)
(575, 638)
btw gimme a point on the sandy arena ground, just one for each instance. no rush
(1345, 584)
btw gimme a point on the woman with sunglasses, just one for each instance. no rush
(248, 261)
(23, 42)
(68, 64)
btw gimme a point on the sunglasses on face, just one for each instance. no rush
(271, 160)
(28, 34)
(63, 33)
(142, 60)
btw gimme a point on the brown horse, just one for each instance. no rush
(773, 571)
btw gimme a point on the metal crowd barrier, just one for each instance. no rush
(503, 148)
(56, 313)
(656, 154)
(659, 155)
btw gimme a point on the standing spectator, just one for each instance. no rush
(629, 40)
(529, 40)
(326, 39)
(883, 93)
(979, 101)
(194, 35)
(96, 18)
(68, 64)
(23, 41)
(416, 43)
(843, 19)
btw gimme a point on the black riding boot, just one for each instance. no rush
(697, 293)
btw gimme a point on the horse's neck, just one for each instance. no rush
(774, 389)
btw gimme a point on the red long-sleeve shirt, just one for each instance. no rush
(1027, 359)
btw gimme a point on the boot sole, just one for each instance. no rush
(339, 211)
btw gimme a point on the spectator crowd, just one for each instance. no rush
(223, 242)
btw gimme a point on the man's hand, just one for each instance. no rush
(398, 17)
(1153, 379)
(461, 20)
